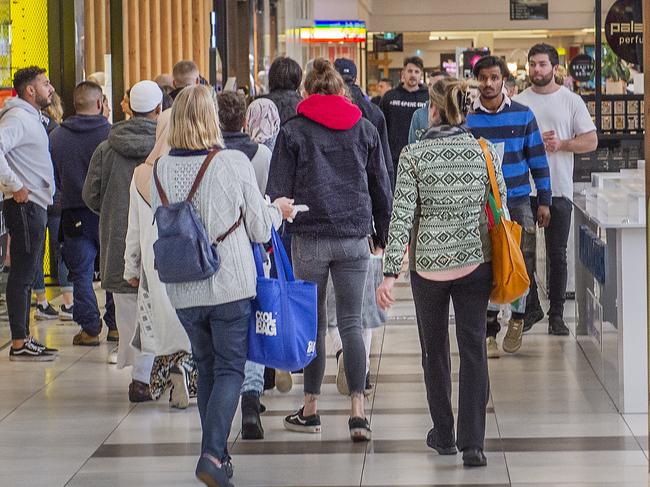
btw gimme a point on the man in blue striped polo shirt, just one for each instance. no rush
(502, 121)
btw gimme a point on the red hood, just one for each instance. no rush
(333, 111)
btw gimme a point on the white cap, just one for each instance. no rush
(145, 96)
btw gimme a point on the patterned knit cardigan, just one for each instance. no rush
(441, 192)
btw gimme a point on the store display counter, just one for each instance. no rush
(610, 275)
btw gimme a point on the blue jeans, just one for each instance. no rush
(53, 224)
(314, 258)
(80, 247)
(253, 379)
(219, 338)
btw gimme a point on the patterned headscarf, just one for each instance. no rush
(263, 122)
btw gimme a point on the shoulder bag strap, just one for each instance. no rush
(201, 173)
(490, 168)
(161, 191)
(231, 229)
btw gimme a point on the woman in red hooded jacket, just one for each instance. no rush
(330, 158)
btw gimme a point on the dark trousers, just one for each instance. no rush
(557, 237)
(470, 296)
(80, 248)
(109, 314)
(219, 338)
(26, 224)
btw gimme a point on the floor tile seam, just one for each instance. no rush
(372, 404)
(94, 450)
(45, 385)
(637, 438)
(503, 450)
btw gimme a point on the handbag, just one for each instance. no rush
(510, 278)
(284, 318)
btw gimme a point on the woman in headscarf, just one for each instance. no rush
(159, 330)
(263, 122)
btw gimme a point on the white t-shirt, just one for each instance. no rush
(566, 113)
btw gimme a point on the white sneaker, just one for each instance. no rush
(179, 397)
(492, 348)
(112, 356)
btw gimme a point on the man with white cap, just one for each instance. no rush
(106, 192)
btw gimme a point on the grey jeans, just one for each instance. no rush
(314, 258)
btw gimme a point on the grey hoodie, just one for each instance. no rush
(106, 192)
(24, 153)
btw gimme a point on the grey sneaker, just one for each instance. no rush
(512, 340)
(65, 314)
(492, 348)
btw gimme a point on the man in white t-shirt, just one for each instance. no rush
(567, 129)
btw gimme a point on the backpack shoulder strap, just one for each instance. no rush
(161, 191)
(201, 173)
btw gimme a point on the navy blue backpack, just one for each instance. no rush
(183, 251)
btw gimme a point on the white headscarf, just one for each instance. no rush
(263, 122)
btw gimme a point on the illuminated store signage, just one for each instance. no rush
(624, 30)
(334, 31)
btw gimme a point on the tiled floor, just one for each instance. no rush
(549, 423)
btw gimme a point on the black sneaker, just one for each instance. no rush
(447, 447)
(46, 312)
(66, 312)
(556, 326)
(359, 429)
(226, 463)
(532, 317)
(474, 457)
(30, 353)
(38, 344)
(211, 475)
(302, 424)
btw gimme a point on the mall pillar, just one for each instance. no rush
(238, 33)
(646, 81)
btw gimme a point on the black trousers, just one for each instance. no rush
(26, 224)
(557, 237)
(470, 296)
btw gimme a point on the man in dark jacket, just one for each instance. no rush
(348, 71)
(285, 76)
(400, 103)
(72, 146)
(106, 192)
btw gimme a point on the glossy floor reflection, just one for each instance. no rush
(549, 423)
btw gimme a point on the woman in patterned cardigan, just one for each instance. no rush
(441, 192)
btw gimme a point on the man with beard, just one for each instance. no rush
(27, 180)
(502, 121)
(400, 103)
(567, 129)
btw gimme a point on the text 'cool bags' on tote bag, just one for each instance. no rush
(284, 318)
(510, 279)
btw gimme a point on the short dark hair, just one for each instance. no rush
(510, 81)
(232, 110)
(547, 49)
(86, 94)
(386, 80)
(490, 62)
(433, 74)
(24, 77)
(417, 60)
(285, 74)
(167, 100)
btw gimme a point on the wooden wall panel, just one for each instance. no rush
(157, 34)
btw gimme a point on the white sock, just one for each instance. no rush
(43, 303)
(367, 341)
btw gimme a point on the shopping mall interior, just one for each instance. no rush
(564, 410)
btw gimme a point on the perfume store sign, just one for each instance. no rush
(624, 30)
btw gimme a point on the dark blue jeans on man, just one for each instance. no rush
(80, 247)
(26, 224)
(219, 338)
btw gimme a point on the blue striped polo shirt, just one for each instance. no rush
(524, 154)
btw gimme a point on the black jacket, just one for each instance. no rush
(286, 101)
(330, 159)
(398, 106)
(373, 113)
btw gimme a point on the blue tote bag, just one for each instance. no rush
(284, 318)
